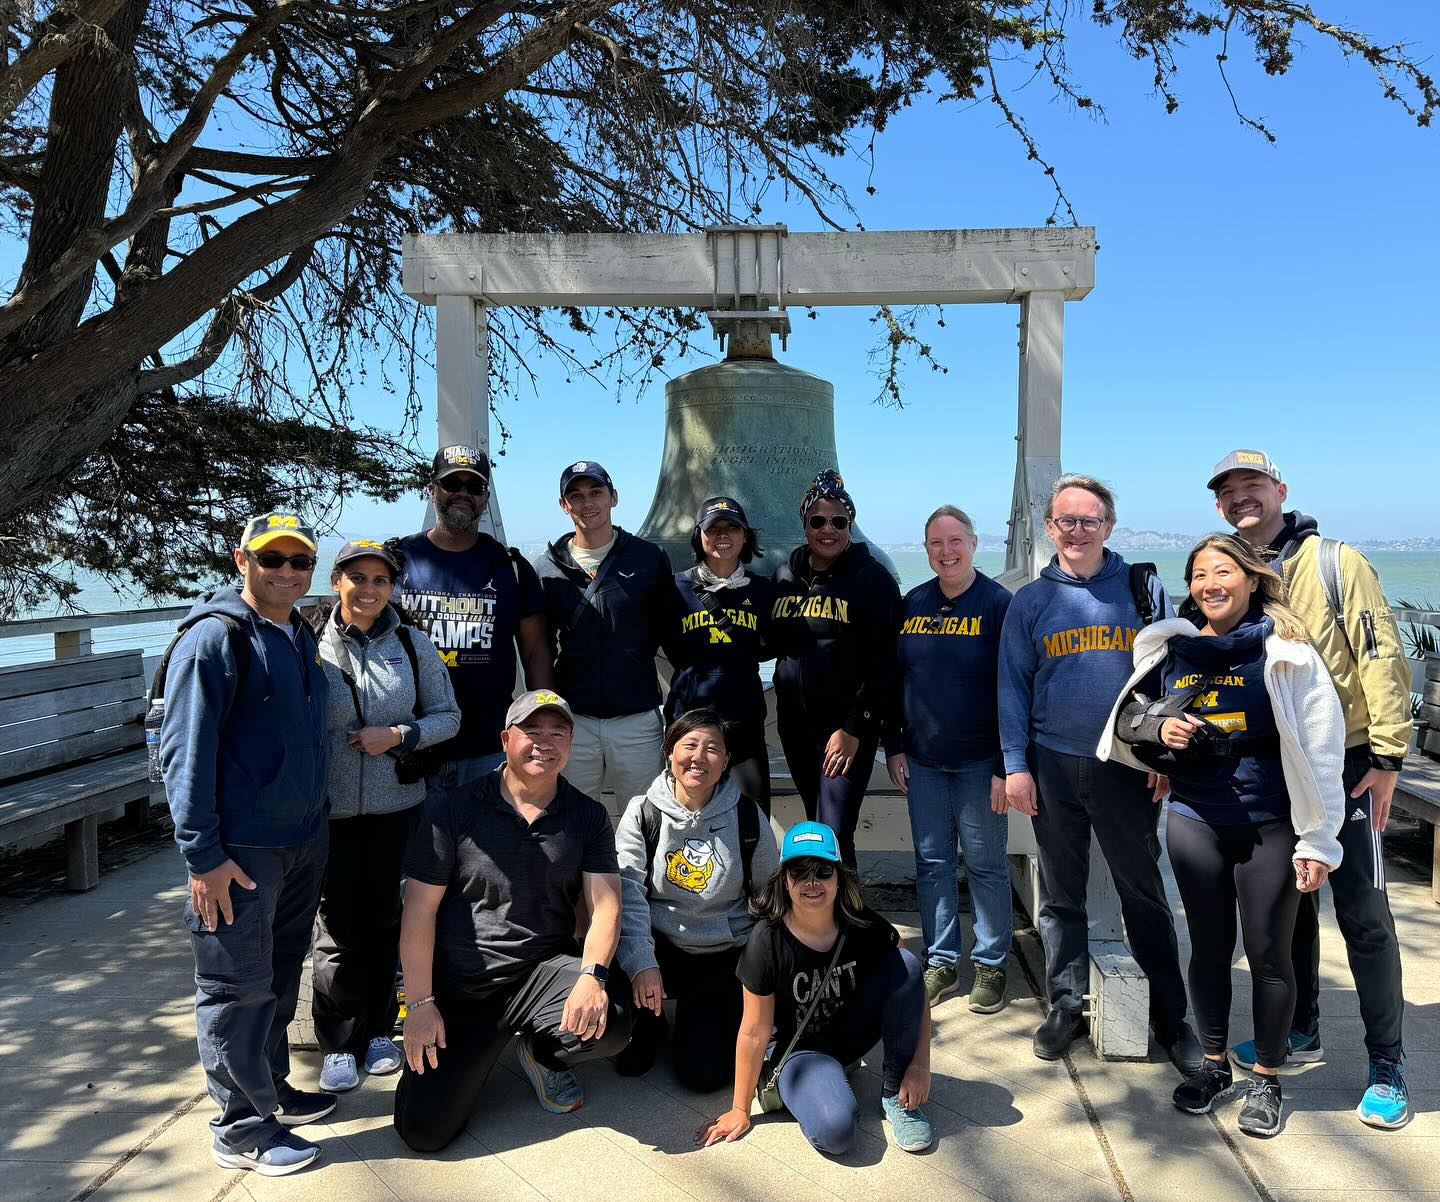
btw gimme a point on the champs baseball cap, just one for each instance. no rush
(812, 839)
(534, 701)
(585, 467)
(449, 460)
(359, 548)
(721, 509)
(262, 531)
(1244, 461)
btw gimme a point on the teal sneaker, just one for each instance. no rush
(910, 1128)
(555, 1089)
(1304, 1049)
(1386, 1103)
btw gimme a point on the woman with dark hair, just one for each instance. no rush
(688, 851)
(715, 640)
(833, 625)
(830, 976)
(389, 695)
(1249, 730)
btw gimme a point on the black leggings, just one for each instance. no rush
(708, 1007)
(1218, 867)
(833, 800)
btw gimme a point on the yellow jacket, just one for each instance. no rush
(1367, 664)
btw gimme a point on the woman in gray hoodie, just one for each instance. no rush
(390, 696)
(689, 851)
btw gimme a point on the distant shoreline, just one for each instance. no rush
(1125, 539)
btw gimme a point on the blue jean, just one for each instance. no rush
(946, 803)
(247, 980)
(888, 1006)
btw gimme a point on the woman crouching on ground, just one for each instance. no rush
(831, 978)
(1250, 732)
(688, 852)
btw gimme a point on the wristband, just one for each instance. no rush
(411, 1007)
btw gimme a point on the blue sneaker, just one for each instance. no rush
(910, 1128)
(286, 1153)
(382, 1057)
(1304, 1049)
(1386, 1103)
(555, 1089)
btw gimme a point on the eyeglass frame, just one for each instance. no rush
(1084, 523)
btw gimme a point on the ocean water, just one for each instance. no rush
(1412, 576)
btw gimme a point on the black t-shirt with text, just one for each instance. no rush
(775, 962)
(510, 886)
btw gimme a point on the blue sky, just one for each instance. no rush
(1278, 296)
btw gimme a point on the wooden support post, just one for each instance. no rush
(82, 854)
(462, 387)
(69, 643)
(1435, 864)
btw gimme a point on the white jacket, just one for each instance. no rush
(1308, 718)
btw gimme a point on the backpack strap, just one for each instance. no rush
(1327, 563)
(239, 648)
(650, 830)
(404, 632)
(1140, 576)
(749, 817)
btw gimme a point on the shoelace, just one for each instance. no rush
(1266, 1096)
(1387, 1078)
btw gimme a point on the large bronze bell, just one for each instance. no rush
(749, 428)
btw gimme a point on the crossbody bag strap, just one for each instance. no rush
(809, 1011)
(347, 671)
(594, 587)
(709, 601)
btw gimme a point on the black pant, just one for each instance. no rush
(432, 1108)
(833, 800)
(1079, 794)
(752, 774)
(1218, 868)
(357, 930)
(1362, 910)
(708, 1005)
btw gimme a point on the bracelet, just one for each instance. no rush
(411, 1007)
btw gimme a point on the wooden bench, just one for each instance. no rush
(72, 746)
(1418, 794)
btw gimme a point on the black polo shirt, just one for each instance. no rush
(510, 887)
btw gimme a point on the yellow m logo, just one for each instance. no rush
(718, 636)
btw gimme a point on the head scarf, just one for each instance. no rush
(829, 485)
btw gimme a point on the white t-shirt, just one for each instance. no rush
(590, 558)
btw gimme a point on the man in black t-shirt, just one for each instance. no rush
(487, 940)
(476, 602)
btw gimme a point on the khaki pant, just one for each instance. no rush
(621, 754)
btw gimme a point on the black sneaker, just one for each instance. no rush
(638, 1056)
(1261, 1113)
(296, 1107)
(1213, 1083)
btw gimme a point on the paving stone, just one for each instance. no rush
(47, 1179)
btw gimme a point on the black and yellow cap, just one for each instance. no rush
(262, 531)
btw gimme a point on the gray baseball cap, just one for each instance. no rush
(1244, 461)
(534, 701)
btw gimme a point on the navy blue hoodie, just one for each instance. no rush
(248, 765)
(1065, 654)
(833, 633)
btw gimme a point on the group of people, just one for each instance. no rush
(369, 773)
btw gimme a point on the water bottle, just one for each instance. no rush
(154, 716)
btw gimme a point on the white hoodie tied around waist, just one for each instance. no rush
(1308, 719)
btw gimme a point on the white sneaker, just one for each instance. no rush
(286, 1153)
(337, 1073)
(381, 1057)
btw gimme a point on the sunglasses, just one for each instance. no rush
(818, 870)
(818, 521)
(473, 488)
(272, 560)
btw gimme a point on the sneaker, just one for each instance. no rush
(1213, 1083)
(1304, 1049)
(296, 1107)
(555, 1089)
(987, 995)
(1386, 1102)
(382, 1057)
(910, 1128)
(286, 1153)
(337, 1073)
(940, 979)
(1261, 1113)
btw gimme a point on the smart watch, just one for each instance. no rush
(598, 971)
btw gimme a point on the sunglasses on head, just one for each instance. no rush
(818, 521)
(272, 560)
(805, 870)
(472, 487)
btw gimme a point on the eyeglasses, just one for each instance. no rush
(472, 487)
(818, 521)
(818, 870)
(1068, 523)
(360, 580)
(272, 560)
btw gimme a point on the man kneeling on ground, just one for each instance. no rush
(487, 939)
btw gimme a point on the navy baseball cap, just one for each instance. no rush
(359, 548)
(264, 530)
(814, 840)
(449, 460)
(585, 467)
(721, 509)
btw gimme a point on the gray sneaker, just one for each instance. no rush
(286, 1153)
(939, 980)
(987, 995)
